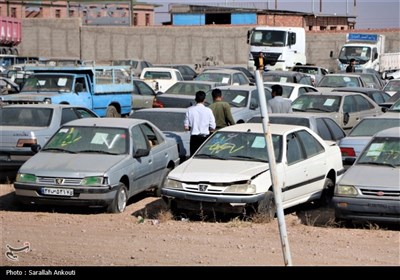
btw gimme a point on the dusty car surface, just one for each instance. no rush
(230, 171)
(369, 190)
(97, 162)
(22, 126)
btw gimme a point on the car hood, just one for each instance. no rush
(217, 171)
(73, 165)
(384, 177)
(30, 96)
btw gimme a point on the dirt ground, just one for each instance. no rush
(146, 235)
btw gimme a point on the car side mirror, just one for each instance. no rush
(35, 148)
(384, 109)
(141, 153)
(346, 118)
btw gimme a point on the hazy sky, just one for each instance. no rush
(370, 13)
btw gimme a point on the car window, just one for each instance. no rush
(377, 97)
(294, 151)
(139, 140)
(287, 91)
(153, 137)
(323, 130)
(242, 80)
(84, 113)
(362, 103)
(68, 114)
(302, 90)
(349, 104)
(13, 116)
(174, 123)
(310, 144)
(144, 88)
(335, 129)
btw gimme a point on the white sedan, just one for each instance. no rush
(230, 171)
(292, 90)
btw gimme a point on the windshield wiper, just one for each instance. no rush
(378, 163)
(208, 156)
(97, 152)
(59, 150)
(298, 110)
(318, 109)
(248, 157)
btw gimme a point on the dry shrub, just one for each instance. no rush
(164, 216)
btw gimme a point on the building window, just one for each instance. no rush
(147, 19)
(14, 12)
(333, 28)
(58, 13)
(71, 13)
(322, 28)
(135, 19)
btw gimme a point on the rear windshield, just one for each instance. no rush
(369, 127)
(164, 121)
(37, 117)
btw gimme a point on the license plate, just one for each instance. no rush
(58, 192)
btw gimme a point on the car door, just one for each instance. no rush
(365, 107)
(142, 95)
(142, 167)
(349, 113)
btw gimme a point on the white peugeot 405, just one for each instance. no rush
(230, 171)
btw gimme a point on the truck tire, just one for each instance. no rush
(112, 112)
(119, 203)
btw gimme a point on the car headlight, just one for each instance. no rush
(93, 181)
(241, 188)
(47, 101)
(173, 184)
(346, 190)
(25, 178)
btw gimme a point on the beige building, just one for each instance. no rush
(98, 12)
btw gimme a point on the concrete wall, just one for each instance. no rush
(166, 44)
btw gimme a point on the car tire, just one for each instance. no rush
(267, 206)
(112, 112)
(327, 193)
(157, 191)
(120, 200)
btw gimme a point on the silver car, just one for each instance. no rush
(97, 162)
(352, 145)
(22, 126)
(370, 189)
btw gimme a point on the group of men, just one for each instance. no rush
(201, 121)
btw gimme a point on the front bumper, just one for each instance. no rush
(377, 210)
(82, 196)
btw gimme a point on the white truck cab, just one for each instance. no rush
(159, 78)
(283, 47)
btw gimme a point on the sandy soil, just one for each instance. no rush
(146, 235)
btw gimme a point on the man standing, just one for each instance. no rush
(221, 110)
(278, 104)
(200, 121)
(260, 62)
(351, 68)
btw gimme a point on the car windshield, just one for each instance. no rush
(33, 117)
(42, 83)
(165, 121)
(187, 88)
(102, 140)
(392, 86)
(235, 98)
(322, 103)
(220, 78)
(395, 107)
(242, 146)
(339, 81)
(369, 127)
(382, 151)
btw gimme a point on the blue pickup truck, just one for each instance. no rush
(107, 90)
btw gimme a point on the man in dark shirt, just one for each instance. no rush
(221, 110)
(351, 68)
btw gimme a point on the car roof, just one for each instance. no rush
(288, 84)
(335, 93)
(237, 87)
(51, 106)
(357, 89)
(222, 70)
(390, 132)
(155, 110)
(108, 122)
(278, 129)
(387, 115)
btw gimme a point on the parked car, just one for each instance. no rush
(379, 96)
(97, 162)
(137, 65)
(369, 190)
(395, 107)
(391, 101)
(170, 122)
(331, 81)
(182, 93)
(245, 71)
(292, 90)
(188, 73)
(143, 96)
(315, 72)
(224, 77)
(22, 126)
(324, 126)
(244, 100)
(392, 86)
(346, 108)
(230, 171)
(160, 79)
(356, 140)
(287, 77)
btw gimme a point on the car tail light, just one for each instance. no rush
(26, 142)
(157, 104)
(348, 152)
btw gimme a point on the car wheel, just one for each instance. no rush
(119, 203)
(327, 193)
(267, 207)
(157, 191)
(112, 112)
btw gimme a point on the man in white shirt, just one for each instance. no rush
(278, 104)
(200, 121)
